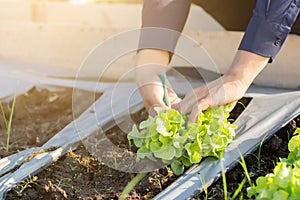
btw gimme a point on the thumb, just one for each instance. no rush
(200, 106)
(152, 110)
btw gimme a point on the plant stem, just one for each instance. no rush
(243, 164)
(131, 185)
(204, 186)
(224, 180)
(259, 151)
(163, 78)
(239, 189)
(3, 114)
(10, 122)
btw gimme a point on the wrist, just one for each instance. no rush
(149, 63)
(245, 67)
(152, 56)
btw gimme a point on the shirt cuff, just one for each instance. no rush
(263, 37)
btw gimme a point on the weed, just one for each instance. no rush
(3, 114)
(61, 181)
(241, 103)
(244, 166)
(204, 187)
(158, 182)
(239, 189)
(26, 184)
(224, 180)
(8, 122)
(259, 152)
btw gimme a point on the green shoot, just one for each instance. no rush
(131, 185)
(26, 184)
(3, 114)
(10, 122)
(244, 166)
(224, 181)
(241, 103)
(259, 152)
(239, 189)
(204, 186)
(158, 182)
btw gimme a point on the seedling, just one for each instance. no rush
(8, 122)
(238, 190)
(3, 114)
(224, 181)
(259, 152)
(204, 186)
(284, 182)
(244, 166)
(26, 184)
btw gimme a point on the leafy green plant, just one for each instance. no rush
(170, 138)
(284, 182)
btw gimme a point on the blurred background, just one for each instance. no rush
(62, 33)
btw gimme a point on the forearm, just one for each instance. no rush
(162, 23)
(150, 62)
(152, 56)
(245, 67)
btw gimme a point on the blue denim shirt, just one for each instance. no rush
(269, 26)
(266, 32)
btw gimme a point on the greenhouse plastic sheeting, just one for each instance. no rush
(259, 118)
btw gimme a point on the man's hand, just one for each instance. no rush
(226, 89)
(151, 88)
(150, 63)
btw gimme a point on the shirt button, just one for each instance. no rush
(292, 5)
(277, 42)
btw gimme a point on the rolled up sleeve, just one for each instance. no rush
(162, 23)
(269, 26)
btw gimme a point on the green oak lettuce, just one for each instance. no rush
(170, 138)
(284, 182)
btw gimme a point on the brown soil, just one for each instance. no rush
(78, 175)
(38, 115)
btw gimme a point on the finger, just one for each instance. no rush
(152, 111)
(189, 101)
(233, 104)
(172, 96)
(200, 106)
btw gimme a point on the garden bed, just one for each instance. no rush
(40, 114)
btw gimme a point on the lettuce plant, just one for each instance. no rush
(169, 137)
(284, 182)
